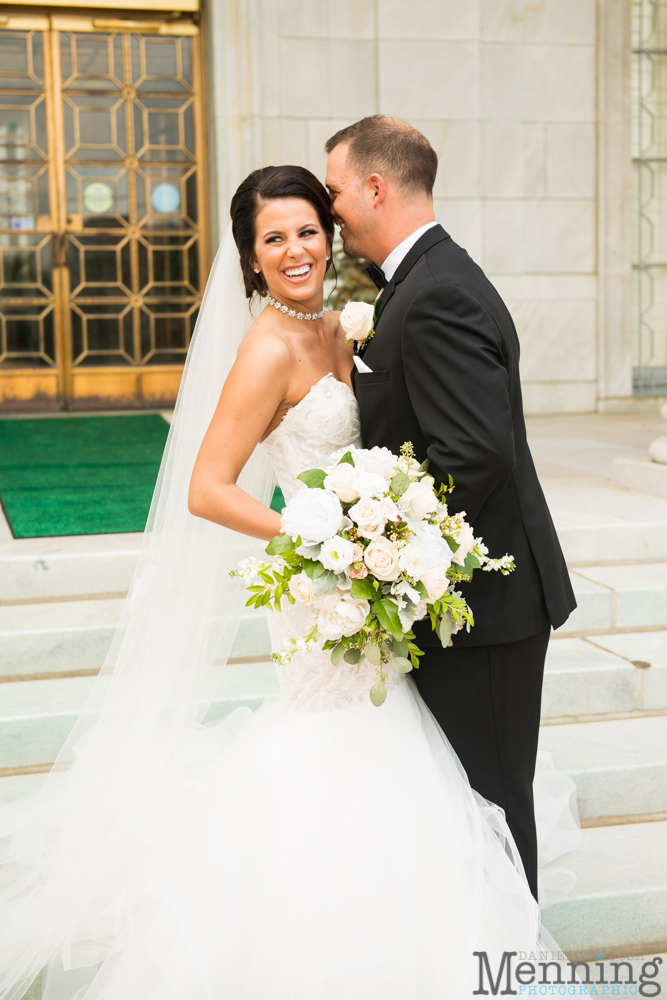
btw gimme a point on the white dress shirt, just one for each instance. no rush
(390, 265)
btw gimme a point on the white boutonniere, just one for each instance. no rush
(357, 319)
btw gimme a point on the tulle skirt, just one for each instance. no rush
(325, 856)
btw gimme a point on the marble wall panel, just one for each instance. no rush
(462, 219)
(503, 159)
(559, 397)
(555, 21)
(305, 78)
(429, 79)
(502, 80)
(352, 18)
(502, 229)
(303, 18)
(557, 339)
(559, 83)
(459, 156)
(571, 160)
(352, 78)
(560, 235)
(447, 19)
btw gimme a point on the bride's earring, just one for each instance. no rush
(328, 258)
(256, 269)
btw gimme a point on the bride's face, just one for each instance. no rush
(291, 249)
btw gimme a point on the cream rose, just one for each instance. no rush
(369, 517)
(301, 589)
(342, 480)
(419, 500)
(357, 320)
(381, 557)
(466, 541)
(389, 509)
(313, 514)
(436, 582)
(341, 615)
(337, 553)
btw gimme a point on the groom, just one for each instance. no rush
(442, 371)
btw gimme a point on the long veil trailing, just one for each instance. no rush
(77, 858)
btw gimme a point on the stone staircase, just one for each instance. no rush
(604, 703)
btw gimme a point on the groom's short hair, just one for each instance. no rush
(389, 146)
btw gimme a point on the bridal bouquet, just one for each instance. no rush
(370, 547)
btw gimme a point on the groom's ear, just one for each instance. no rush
(378, 189)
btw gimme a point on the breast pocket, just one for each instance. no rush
(371, 378)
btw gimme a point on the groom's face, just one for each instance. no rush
(351, 203)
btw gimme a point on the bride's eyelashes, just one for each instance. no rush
(304, 233)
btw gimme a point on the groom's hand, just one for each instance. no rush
(458, 386)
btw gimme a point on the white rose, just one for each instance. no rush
(419, 500)
(466, 541)
(342, 481)
(368, 515)
(313, 514)
(337, 553)
(301, 589)
(357, 320)
(381, 461)
(413, 560)
(369, 484)
(436, 582)
(341, 615)
(381, 557)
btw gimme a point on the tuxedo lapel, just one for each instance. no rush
(432, 236)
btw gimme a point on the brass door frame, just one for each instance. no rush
(109, 385)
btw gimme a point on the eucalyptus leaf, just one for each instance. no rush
(309, 551)
(378, 693)
(346, 459)
(445, 630)
(372, 653)
(313, 478)
(400, 648)
(400, 483)
(337, 653)
(424, 466)
(352, 656)
(401, 664)
(362, 589)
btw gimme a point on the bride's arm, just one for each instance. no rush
(253, 393)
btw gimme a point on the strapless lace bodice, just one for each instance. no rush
(313, 431)
(311, 436)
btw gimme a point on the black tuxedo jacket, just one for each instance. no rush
(445, 375)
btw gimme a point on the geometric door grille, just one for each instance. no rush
(102, 247)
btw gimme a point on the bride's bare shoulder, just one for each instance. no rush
(265, 346)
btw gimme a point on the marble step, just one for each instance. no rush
(619, 766)
(76, 566)
(63, 636)
(37, 716)
(597, 522)
(604, 674)
(618, 597)
(619, 904)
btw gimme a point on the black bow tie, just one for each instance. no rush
(376, 274)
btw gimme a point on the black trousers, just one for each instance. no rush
(487, 701)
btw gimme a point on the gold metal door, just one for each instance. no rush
(102, 246)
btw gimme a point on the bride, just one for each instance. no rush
(318, 849)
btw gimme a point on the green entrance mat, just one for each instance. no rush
(82, 475)
(79, 475)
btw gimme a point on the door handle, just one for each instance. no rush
(59, 249)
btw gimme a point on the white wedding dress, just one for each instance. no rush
(322, 848)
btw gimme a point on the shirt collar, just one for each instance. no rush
(392, 262)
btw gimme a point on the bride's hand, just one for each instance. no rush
(251, 397)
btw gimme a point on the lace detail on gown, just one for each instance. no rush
(316, 431)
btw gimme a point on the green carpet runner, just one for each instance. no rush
(81, 475)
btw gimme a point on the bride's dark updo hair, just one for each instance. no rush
(268, 184)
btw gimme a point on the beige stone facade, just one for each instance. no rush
(527, 103)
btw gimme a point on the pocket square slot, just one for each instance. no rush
(360, 366)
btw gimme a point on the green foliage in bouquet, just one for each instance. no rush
(384, 551)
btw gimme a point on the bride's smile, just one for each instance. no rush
(291, 252)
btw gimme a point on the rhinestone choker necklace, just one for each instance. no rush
(292, 313)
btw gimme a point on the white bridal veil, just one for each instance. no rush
(77, 858)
